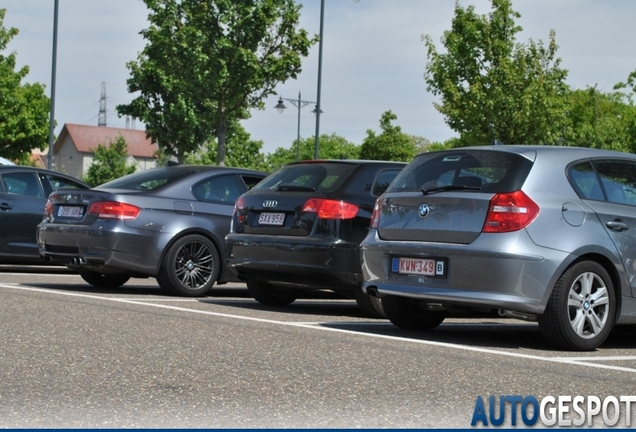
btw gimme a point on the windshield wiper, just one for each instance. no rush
(295, 188)
(449, 188)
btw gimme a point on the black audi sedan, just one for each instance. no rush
(300, 229)
(167, 222)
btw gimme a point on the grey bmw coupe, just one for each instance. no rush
(168, 223)
(533, 232)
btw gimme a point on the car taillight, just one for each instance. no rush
(48, 209)
(375, 216)
(239, 205)
(114, 210)
(510, 212)
(330, 209)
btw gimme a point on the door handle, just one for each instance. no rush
(5, 206)
(617, 225)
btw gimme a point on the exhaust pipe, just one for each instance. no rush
(78, 261)
(373, 292)
(518, 315)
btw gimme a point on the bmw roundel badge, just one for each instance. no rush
(424, 210)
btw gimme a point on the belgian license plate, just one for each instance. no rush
(70, 212)
(271, 219)
(418, 266)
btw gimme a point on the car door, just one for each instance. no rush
(613, 198)
(22, 201)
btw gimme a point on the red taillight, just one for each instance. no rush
(510, 212)
(375, 216)
(239, 205)
(114, 210)
(330, 209)
(48, 209)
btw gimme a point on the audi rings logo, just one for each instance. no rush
(270, 203)
(424, 210)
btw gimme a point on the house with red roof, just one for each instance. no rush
(73, 149)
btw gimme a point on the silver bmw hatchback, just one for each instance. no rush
(533, 232)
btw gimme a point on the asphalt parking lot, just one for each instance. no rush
(77, 356)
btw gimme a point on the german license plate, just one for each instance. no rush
(70, 212)
(271, 219)
(418, 266)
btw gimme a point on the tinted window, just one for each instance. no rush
(585, 182)
(61, 182)
(147, 180)
(321, 177)
(21, 183)
(491, 171)
(225, 189)
(383, 180)
(619, 181)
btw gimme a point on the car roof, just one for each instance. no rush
(563, 153)
(201, 168)
(348, 161)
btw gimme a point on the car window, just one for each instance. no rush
(322, 177)
(146, 180)
(383, 180)
(489, 171)
(585, 182)
(21, 183)
(251, 181)
(225, 189)
(619, 181)
(57, 182)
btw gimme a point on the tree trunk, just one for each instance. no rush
(221, 134)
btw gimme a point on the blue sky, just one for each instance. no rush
(373, 58)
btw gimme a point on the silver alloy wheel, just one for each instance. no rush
(588, 305)
(194, 264)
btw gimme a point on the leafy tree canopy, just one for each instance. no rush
(329, 147)
(208, 62)
(24, 108)
(600, 120)
(493, 88)
(242, 152)
(391, 144)
(109, 162)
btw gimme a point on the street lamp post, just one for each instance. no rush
(298, 103)
(53, 67)
(318, 110)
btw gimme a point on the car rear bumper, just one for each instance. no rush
(304, 262)
(483, 274)
(113, 246)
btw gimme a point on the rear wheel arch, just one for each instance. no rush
(610, 268)
(215, 241)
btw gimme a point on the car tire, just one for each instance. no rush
(102, 280)
(270, 295)
(370, 306)
(581, 310)
(190, 267)
(410, 314)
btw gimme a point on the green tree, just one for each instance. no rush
(493, 88)
(109, 162)
(329, 147)
(242, 152)
(208, 62)
(24, 108)
(391, 145)
(600, 120)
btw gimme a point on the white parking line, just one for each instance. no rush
(578, 361)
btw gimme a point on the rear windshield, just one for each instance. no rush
(147, 180)
(319, 177)
(484, 170)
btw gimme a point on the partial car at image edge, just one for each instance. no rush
(541, 233)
